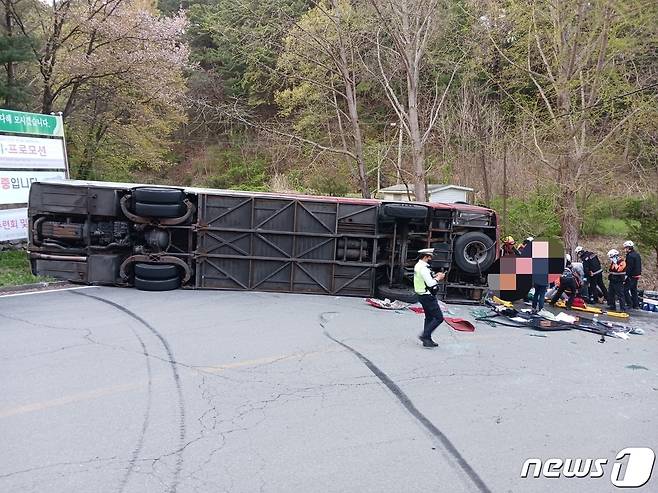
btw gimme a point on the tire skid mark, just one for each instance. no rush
(147, 415)
(172, 363)
(411, 408)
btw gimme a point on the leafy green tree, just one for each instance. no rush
(322, 70)
(240, 42)
(566, 69)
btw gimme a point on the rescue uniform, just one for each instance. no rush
(594, 273)
(633, 272)
(616, 276)
(568, 281)
(422, 281)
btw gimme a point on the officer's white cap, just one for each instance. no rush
(426, 251)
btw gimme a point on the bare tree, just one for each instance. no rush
(407, 30)
(563, 49)
(325, 41)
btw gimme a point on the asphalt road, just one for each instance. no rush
(117, 390)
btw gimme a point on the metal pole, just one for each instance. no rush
(67, 171)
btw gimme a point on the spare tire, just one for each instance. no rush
(402, 210)
(400, 293)
(158, 202)
(155, 272)
(474, 252)
(153, 195)
(157, 284)
(159, 210)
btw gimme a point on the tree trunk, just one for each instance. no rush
(570, 220)
(417, 151)
(358, 139)
(482, 158)
(47, 99)
(505, 187)
(9, 66)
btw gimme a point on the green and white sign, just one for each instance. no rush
(21, 122)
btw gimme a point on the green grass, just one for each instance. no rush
(608, 226)
(15, 269)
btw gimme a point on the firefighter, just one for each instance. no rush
(593, 273)
(633, 273)
(424, 284)
(569, 282)
(616, 276)
(509, 248)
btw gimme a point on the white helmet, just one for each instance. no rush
(613, 253)
(629, 244)
(578, 250)
(529, 239)
(567, 257)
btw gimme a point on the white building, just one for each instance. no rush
(437, 193)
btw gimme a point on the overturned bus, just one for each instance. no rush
(160, 238)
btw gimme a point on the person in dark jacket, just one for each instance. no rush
(593, 273)
(633, 273)
(569, 281)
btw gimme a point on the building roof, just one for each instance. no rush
(430, 188)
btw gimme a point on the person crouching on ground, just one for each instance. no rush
(569, 281)
(424, 285)
(616, 276)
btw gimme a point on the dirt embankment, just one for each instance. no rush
(602, 244)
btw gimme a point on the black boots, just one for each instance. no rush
(429, 343)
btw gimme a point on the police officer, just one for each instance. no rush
(616, 276)
(633, 272)
(424, 285)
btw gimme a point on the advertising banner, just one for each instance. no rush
(13, 224)
(31, 153)
(15, 185)
(37, 154)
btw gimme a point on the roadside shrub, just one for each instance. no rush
(230, 169)
(605, 216)
(533, 216)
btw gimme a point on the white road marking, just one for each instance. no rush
(45, 291)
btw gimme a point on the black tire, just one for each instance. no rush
(158, 195)
(400, 293)
(155, 272)
(403, 211)
(473, 248)
(157, 284)
(159, 210)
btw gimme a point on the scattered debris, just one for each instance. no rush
(387, 304)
